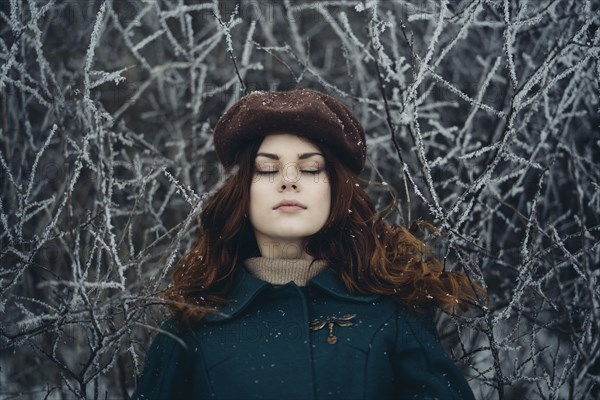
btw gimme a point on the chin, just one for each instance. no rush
(291, 236)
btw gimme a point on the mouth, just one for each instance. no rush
(289, 205)
(289, 208)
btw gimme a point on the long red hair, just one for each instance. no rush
(370, 255)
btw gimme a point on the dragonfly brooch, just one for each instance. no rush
(317, 324)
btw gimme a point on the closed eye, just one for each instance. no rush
(273, 172)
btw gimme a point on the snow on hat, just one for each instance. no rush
(303, 112)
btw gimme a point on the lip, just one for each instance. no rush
(289, 205)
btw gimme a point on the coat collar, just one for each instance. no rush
(329, 282)
(247, 287)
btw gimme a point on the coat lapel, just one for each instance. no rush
(246, 288)
(329, 282)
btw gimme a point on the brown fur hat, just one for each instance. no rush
(303, 112)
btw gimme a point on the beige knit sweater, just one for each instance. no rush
(280, 271)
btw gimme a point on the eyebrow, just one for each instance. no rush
(302, 156)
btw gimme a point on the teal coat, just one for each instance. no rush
(260, 347)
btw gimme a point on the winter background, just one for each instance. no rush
(482, 114)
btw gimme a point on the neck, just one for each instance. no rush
(279, 248)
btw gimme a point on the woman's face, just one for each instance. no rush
(288, 168)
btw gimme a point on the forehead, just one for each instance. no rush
(287, 145)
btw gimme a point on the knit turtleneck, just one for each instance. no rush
(279, 271)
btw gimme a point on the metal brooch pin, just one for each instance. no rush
(317, 324)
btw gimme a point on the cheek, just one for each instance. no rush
(261, 196)
(257, 189)
(255, 197)
(326, 201)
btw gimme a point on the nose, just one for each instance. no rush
(293, 185)
(290, 176)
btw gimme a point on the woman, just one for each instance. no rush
(295, 287)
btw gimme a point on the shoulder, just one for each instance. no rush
(416, 321)
(170, 338)
(416, 328)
